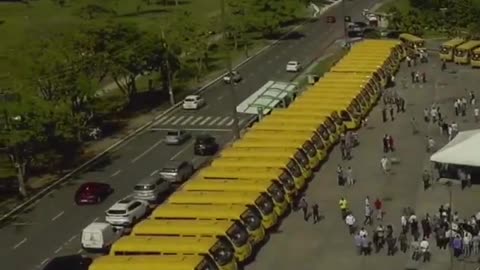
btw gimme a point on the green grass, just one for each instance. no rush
(402, 5)
(25, 23)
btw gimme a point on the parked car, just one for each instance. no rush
(70, 262)
(193, 102)
(99, 236)
(92, 192)
(205, 145)
(293, 66)
(126, 212)
(177, 171)
(177, 137)
(233, 76)
(150, 188)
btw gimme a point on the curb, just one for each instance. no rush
(132, 134)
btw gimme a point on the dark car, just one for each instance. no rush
(92, 192)
(71, 262)
(234, 77)
(205, 145)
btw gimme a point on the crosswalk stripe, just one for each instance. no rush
(231, 122)
(159, 121)
(169, 120)
(198, 119)
(223, 121)
(214, 120)
(187, 120)
(178, 120)
(205, 120)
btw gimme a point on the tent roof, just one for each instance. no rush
(462, 150)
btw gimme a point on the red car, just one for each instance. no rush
(92, 192)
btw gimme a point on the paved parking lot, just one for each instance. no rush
(327, 245)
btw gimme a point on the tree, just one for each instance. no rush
(395, 19)
(60, 3)
(21, 133)
(239, 23)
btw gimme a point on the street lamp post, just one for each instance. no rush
(345, 29)
(233, 95)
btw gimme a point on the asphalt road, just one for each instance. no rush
(52, 226)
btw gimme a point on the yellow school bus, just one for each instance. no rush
(396, 45)
(352, 102)
(386, 68)
(233, 232)
(279, 149)
(218, 250)
(359, 96)
(327, 129)
(145, 262)
(250, 217)
(320, 123)
(376, 72)
(390, 64)
(272, 131)
(447, 49)
(337, 78)
(324, 107)
(412, 42)
(261, 202)
(334, 84)
(273, 189)
(336, 124)
(464, 51)
(261, 174)
(475, 59)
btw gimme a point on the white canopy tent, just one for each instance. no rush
(464, 149)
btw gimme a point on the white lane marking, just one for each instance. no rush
(168, 120)
(196, 129)
(205, 120)
(187, 120)
(214, 120)
(72, 238)
(154, 172)
(220, 98)
(116, 173)
(58, 216)
(161, 119)
(20, 243)
(146, 151)
(198, 119)
(231, 122)
(44, 261)
(223, 121)
(178, 120)
(182, 150)
(58, 250)
(79, 251)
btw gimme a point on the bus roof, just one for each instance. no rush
(453, 42)
(312, 99)
(182, 211)
(354, 68)
(256, 185)
(348, 90)
(281, 120)
(236, 173)
(168, 227)
(469, 45)
(240, 150)
(304, 112)
(250, 162)
(171, 262)
(163, 244)
(214, 197)
(410, 37)
(386, 42)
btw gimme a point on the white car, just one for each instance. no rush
(126, 212)
(293, 66)
(193, 102)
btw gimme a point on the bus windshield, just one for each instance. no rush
(265, 204)
(345, 116)
(323, 132)
(207, 264)
(287, 180)
(277, 192)
(294, 168)
(251, 218)
(238, 234)
(301, 158)
(222, 252)
(317, 141)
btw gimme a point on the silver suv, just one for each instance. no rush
(177, 171)
(176, 137)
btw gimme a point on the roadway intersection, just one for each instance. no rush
(51, 227)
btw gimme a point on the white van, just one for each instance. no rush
(99, 236)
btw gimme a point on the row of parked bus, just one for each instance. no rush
(461, 51)
(219, 219)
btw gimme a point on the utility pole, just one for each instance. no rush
(169, 73)
(345, 29)
(233, 95)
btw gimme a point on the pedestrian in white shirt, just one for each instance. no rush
(350, 221)
(412, 218)
(424, 249)
(476, 113)
(363, 232)
(385, 164)
(403, 221)
(467, 239)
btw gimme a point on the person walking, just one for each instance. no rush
(472, 98)
(457, 246)
(343, 204)
(358, 243)
(391, 241)
(392, 116)
(404, 223)
(350, 221)
(384, 114)
(391, 145)
(402, 238)
(456, 106)
(424, 77)
(476, 113)
(476, 244)
(303, 205)
(349, 176)
(384, 162)
(412, 75)
(467, 241)
(365, 246)
(379, 209)
(385, 141)
(368, 215)
(413, 123)
(426, 115)
(315, 213)
(340, 176)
